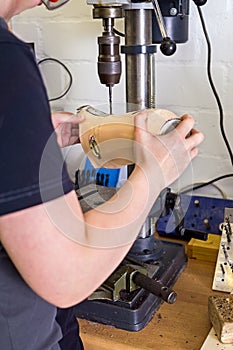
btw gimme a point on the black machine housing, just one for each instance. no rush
(176, 20)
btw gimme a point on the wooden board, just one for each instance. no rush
(221, 316)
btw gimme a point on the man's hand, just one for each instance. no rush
(171, 153)
(66, 126)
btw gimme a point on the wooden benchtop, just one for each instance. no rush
(182, 325)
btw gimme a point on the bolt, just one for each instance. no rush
(173, 11)
(207, 224)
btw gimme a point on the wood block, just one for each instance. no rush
(221, 316)
(204, 250)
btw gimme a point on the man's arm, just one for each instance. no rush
(62, 270)
(64, 255)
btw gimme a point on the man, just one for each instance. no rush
(48, 247)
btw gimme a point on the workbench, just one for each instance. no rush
(180, 326)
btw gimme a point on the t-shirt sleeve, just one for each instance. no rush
(32, 167)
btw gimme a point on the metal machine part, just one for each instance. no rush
(201, 216)
(223, 277)
(168, 46)
(109, 60)
(141, 293)
(140, 79)
(175, 16)
(137, 302)
(155, 265)
(139, 58)
(128, 279)
(132, 294)
(146, 23)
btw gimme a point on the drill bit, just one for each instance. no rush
(110, 98)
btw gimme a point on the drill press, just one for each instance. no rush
(132, 294)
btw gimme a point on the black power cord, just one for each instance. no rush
(204, 184)
(117, 32)
(221, 114)
(50, 59)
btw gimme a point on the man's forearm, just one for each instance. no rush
(119, 220)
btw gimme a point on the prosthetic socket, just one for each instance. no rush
(108, 140)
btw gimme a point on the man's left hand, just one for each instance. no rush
(66, 126)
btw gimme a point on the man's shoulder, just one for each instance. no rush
(14, 53)
(6, 36)
(3, 23)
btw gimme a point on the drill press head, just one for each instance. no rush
(109, 60)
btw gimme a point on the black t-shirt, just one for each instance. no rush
(30, 158)
(31, 171)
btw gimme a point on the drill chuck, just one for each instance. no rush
(109, 61)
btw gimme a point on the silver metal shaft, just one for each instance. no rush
(140, 71)
(110, 98)
(159, 18)
(140, 76)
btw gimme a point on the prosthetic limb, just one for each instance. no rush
(108, 140)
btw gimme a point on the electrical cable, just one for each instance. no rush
(190, 188)
(117, 32)
(210, 182)
(213, 86)
(66, 69)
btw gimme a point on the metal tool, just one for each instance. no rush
(223, 276)
(164, 260)
(135, 290)
(146, 23)
(168, 46)
(109, 60)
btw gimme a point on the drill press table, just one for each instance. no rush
(183, 325)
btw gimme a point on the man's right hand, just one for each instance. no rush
(171, 153)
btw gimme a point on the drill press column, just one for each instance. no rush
(140, 74)
(140, 57)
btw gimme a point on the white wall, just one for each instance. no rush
(70, 33)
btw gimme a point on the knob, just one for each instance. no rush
(200, 2)
(168, 46)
